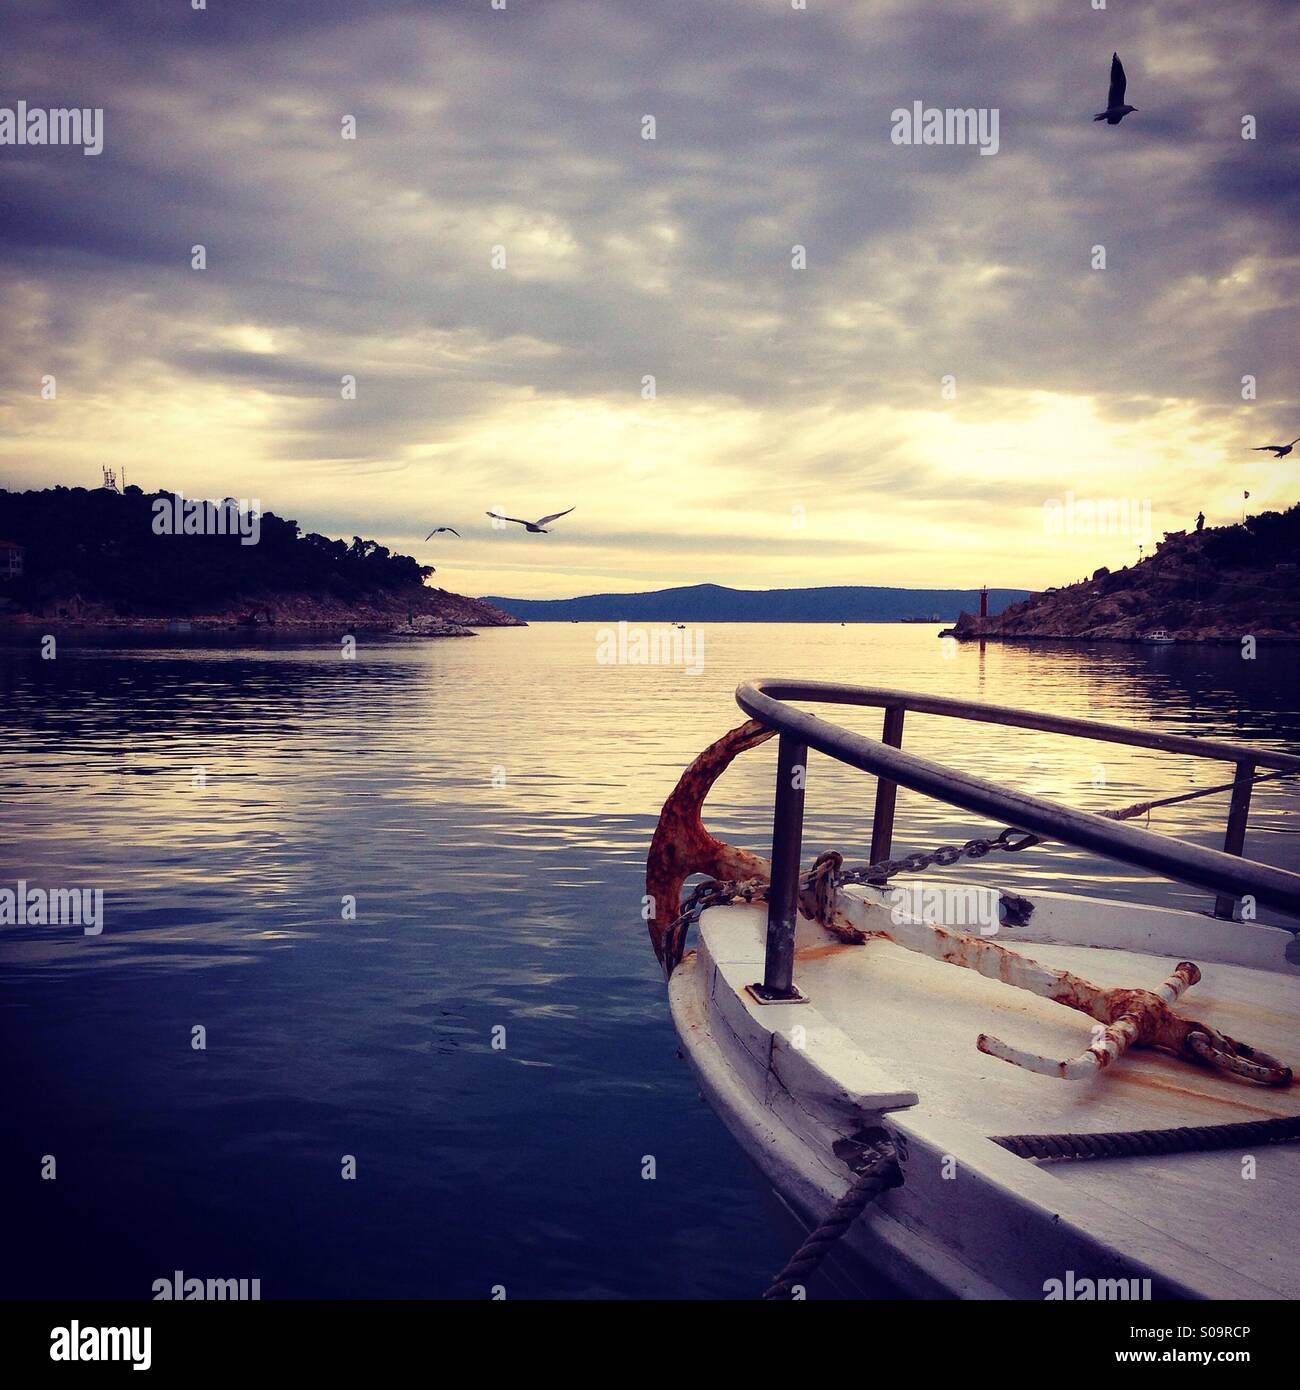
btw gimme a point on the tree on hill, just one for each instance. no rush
(105, 547)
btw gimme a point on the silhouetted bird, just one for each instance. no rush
(539, 526)
(436, 529)
(1115, 109)
(1280, 450)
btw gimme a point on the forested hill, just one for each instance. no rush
(97, 554)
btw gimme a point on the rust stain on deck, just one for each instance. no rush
(1211, 1099)
(833, 948)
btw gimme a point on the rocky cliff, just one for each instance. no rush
(1218, 585)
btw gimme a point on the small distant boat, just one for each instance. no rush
(848, 1032)
(1159, 636)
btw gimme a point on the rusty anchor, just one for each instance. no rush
(681, 846)
(1128, 1017)
(1138, 1017)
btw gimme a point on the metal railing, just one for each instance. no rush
(1224, 871)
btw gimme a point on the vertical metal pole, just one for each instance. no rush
(783, 892)
(882, 823)
(1234, 841)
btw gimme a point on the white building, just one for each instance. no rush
(11, 560)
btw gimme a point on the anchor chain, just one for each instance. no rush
(827, 876)
(823, 884)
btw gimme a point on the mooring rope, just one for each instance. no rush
(1141, 806)
(885, 1174)
(1134, 1143)
(874, 1182)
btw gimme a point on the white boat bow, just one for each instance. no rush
(866, 1029)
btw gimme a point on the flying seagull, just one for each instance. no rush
(1278, 450)
(1115, 109)
(539, 526)
(436, 529)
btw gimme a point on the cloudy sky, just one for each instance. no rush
(799, 432)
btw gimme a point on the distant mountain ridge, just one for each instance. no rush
(698, 603)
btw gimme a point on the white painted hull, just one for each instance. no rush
(889, 1041)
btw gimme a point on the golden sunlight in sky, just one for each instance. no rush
(703, 297)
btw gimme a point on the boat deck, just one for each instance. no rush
(906, 1022)
(894, 1003)
(878, 1058)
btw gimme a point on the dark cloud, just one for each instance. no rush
(672, 257)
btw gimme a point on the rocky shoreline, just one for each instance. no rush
(1188, 635)
(424, 613)
(1219, 586)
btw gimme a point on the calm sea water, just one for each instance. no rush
(488, 803)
